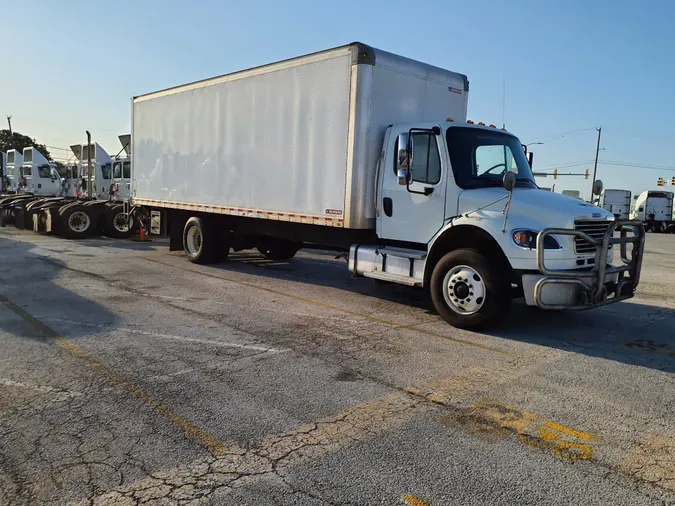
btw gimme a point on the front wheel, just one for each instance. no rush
(468, 291)
(116, 223)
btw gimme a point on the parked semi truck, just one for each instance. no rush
(370, 152)
(12, 172)
(617, 202)
(655, 209)
(3, 172)
(45, 202)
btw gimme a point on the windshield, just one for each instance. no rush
(480, 158)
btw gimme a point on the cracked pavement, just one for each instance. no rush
(130, 376)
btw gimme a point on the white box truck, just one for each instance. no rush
(371, 152)
(617, 202)
(655, 209)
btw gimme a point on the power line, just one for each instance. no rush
(638, 166)
(566, 165)
(563, 134)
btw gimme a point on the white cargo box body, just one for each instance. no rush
(297, 140)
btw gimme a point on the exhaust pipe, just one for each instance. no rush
(89, 171)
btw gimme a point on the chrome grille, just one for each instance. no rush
(594, 229)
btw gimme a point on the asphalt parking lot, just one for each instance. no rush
(130, 376)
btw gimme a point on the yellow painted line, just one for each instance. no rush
(414, 501)
(331, 307)
(570, 432)
(216, 447)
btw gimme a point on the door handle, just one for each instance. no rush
(388, 206)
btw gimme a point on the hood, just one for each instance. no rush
(550, 209)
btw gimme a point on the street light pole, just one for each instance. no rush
(595, 167)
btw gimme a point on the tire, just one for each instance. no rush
(278, 249)
(77, 221)
(201, 242)
(485, 289)
(113, 223)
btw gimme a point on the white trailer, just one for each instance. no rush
(617, 202)
(655, 209)
(371, 152)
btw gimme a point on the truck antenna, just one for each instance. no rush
(503, 102)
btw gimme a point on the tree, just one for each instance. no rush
(18, 141)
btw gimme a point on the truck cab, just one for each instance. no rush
(101, 163)
(3, 169)
(458, 210)
(13, 170)
(38, 175)
(121, 170)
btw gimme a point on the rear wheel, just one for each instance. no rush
(78, 222)
(468, 291)
(278, 249)
(202, 243)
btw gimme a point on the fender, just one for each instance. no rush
(463, 232)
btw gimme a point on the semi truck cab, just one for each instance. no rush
(458, 211)
(13, 170)
(38, 175)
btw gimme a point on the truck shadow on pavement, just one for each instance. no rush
(632, 332)
(31, 296)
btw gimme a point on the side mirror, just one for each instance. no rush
(404, 148)
(530, 156)
(509, 181)
(597, 187)
(402, 175)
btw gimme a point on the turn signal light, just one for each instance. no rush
(449, 120)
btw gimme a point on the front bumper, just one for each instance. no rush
(585, 289)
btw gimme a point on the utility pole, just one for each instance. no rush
(595, 167)
(9, 122)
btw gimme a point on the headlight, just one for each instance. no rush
(528, 239)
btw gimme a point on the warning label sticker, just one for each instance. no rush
(334, 211)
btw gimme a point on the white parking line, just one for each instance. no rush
(209, 342)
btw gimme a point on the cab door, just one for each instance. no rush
(412, 208)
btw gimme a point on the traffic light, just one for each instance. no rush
(555, 173)
(660, 182)
(586, 174)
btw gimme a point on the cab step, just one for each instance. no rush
(393, 278)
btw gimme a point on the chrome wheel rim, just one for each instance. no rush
(194, 240)
(464, 290)
(79, 221)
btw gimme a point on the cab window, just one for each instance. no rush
(426, 162)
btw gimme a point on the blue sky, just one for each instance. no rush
(569, 66)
